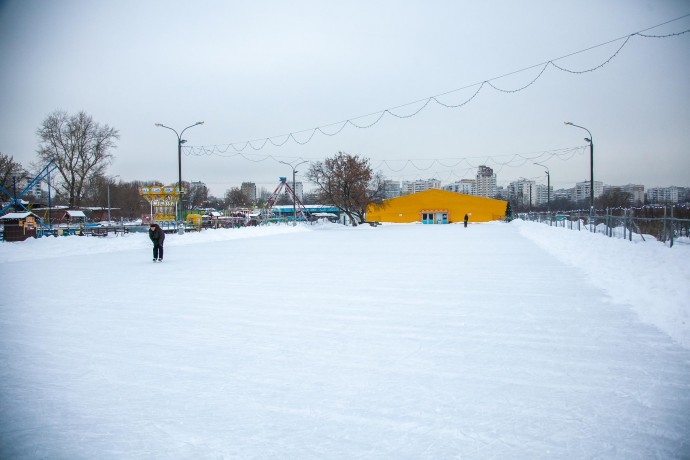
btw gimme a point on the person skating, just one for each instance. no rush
(157, 235)
(466, 219)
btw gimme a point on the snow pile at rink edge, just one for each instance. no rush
(649, 276)
(50, 247)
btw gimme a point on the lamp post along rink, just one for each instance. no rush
(180, 141)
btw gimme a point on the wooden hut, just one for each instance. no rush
(18, 226)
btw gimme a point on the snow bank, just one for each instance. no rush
(651, 277)
(50, 247)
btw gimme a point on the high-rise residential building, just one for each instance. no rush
(263, 194)
(543, 194)
(486, 182)
(562, 194)
(501, 193)
(663, 195)
(464, 186)
(582, 190)
(523, 192)
(249, 190)
(409, 187)
(636, 191)
(299, 191)
(197, 184)
(391, 189)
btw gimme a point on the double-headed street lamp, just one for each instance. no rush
(591, 168)
(180, 141)
(548, 189)
(294, 198)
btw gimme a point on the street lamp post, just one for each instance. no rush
(109, 196)
(294, 199)
(180, 141)
(548, 189)
(591, 171)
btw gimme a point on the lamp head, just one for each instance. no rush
(158, 125)
(568, 122)
(199, 123)
(588, 140)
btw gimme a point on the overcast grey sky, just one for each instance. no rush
(259, 69)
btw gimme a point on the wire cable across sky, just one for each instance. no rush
(303, 137)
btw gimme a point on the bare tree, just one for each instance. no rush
(348, 182)
(80, 148)
(614, 198)
(234, 198)
(96, 190)
(215, 203)
(10, 170)
(284, 199)
(196, 197)
(311, 198)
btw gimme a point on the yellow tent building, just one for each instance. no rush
(437, 207)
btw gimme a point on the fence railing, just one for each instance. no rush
(620, 224)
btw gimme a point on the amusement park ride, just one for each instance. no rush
(298, 207)
(163, 201)
(15, 200)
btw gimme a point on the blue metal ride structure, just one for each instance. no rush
(15, 201)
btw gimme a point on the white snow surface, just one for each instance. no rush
(401, 341)
(652, 278)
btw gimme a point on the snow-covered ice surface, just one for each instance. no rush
(401, 341)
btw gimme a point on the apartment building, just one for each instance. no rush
(486, 182)
(465, 186)
(410, 187)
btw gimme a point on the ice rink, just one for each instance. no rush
(315, 342)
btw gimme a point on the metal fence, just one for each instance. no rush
(640, 223)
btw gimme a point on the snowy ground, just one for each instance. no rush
(402, 341)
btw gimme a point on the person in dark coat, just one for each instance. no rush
(157, 235)
(465, 220)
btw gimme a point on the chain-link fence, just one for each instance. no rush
(670, 225)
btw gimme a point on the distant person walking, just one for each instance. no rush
(466, 219)
(157, 235)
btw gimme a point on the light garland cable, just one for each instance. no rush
(560, 154)
(514, 160)
(259, 144)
